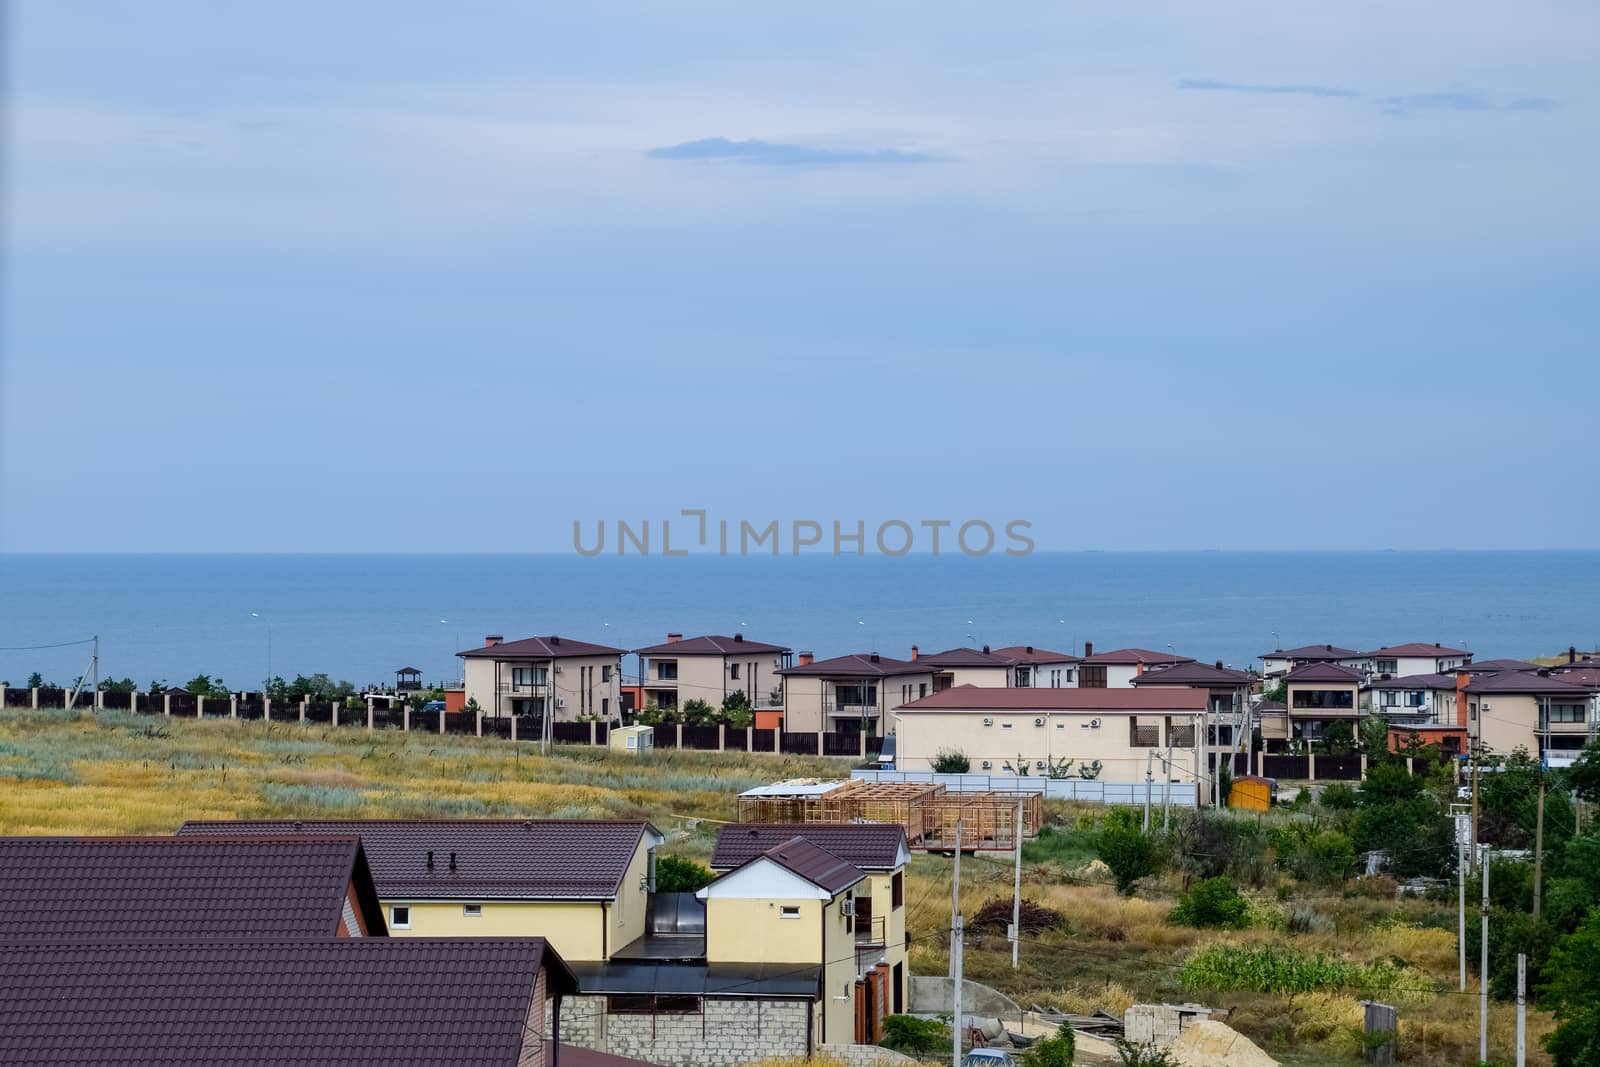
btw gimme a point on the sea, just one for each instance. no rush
(241, 618)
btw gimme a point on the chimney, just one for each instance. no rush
(738, 637)
(493, 639)
(452, 861)
(1437, 645)
(555, 640)
(985, 650)
(674, 638)
(914, 653)
(874, 657)
(1030, 650)
(1572, 653)
(430, 859)
(1463, 679)
(806, 658)
(1219, 664)
(1088, 649)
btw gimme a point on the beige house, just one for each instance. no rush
(711, 668)
(1228, 692)
(965, 666)
(1550, 716)
(1320, 694)
(583, 885)
(1120, 728)
(1040, 668)
(571, 679)
(859, 689)
(879, 851)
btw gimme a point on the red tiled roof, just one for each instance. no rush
(1324, 672)
(1490, 666)
(396, 1002)
(132, 888)
(857, 665)
(816, 865)
(494, 859)
(1195, 674)
(869, 846)
(1417, 649)
(1132, 656)
(1524, 682)
(1416, 681)
(994, 698)
(541, 648)
(1312, 653)
(1029, 654)
(709, 645)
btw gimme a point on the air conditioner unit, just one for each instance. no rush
(557, 670)
(986, 765)
(1039, 721)
(1038, 764)
(561, 702)
(1094, 723)
(847, 906)
(988, 721)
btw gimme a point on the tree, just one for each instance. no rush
(1583, 777)
(1375, 737)
(736, 710)
(1572, 974)
(205, 686)
(1130, 855)
(112, 685)
(1211, 904)
(1056, 1051)
(914, 1036)
(1396, 813)
(696, 712)
(35, 681)
(674, 874)
(951, 761)
(1338, 739)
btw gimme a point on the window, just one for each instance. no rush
(1143, 736)
(1181, 736)
(1388, 698)
(1416, 698)
(1324, 698)
(922, 690)
(523, 677)
(605, 672)
(651, 1004)
(1567, 713)
(856, 696)
(400, 917)
(605, 708)
(667, 670)
(733, 670)
(1024, 678)
(1387, 666)
(789, 911)
(472, 911)
(1092, 677)
(897, 889)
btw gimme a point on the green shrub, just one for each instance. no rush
(1338, 797)
(1211, 904)
(1130, 1054)
(1056, 1051)
(915, 1037)
(1130, 855)
(674, 874)
(951, 761)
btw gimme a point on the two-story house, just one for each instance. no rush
(1228, 693)
(712, 668)
(1040, 668)
(1432, 706)
(1550, 715)
(1118, 668)
(1279, 662)
(861, 689)
(1319, 695)
(879, 850)
(569, 679)
(966, 666)
(582, 884)
(1417, 657)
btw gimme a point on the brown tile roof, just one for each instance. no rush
(1029, 654)
(541, 648)
(709, 645)
(994, 698)
(494, 859)
(818, 866)
(858, 665)
(1490, 666)
(1588, 677)
(1416, 681)
(1312, 653)
(1524, 682)
(388, 1001)
(1195, 674)
(1416, 649)
(869, 846)
(1132, 656)
(1324, 672)
(964, 657)
(134, 888)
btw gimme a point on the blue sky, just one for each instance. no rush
(1244, 275)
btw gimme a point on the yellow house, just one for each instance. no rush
(582, 885)
(879, 851)
(792, 906)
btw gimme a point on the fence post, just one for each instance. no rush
(861, 737)
(233, 705)
(34, 699)
(1261, 764)
(1364, 766)
(1381, 1023)
(266, 708)
(1311, 765)
(369, 714)
(99, 700)
(513, 727)
(594, 732)
(749, 738)
(302, 709)
(441, 720)
(199, 707)
(1410, 769)
(819, 742)
(679, 731)
(166, 703)
(480, 720)
(405, 719)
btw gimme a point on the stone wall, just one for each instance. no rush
(864, 1055)
(1160, 1024)
(731, 1032)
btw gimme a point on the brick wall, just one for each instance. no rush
(731, 1032)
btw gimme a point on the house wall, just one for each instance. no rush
(1064, 735)
(577, 680)
(802, 704)
(1054, 675)
(1510, 720)
(627, 914)
(536, 1050)
(879, 886)
(753, 931)
(987, 677)
(1121, 675)
(728, 1032)
(574, 930)
(803, 697)
(839, 974)
(710, 678)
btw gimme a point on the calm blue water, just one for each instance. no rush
(360, 617)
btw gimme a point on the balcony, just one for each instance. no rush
(849, 711)
(871, 931)
(1553, 726)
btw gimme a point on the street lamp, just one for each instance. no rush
(267, 682)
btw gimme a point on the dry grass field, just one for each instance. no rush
(76, 773)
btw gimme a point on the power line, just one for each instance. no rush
(35, 648)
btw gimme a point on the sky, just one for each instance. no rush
(387, 276)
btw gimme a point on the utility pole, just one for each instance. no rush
(1462, 826)
(956, 936)
(1166, 789)
(1538, 844)
(1483, 962)
(1477, 758)
(1149, 759)
(94, 700)
(1522, 1010)
(1016, 891)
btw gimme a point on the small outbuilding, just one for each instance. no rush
(1252, 793)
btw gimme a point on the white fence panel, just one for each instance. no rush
(1083, 790)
